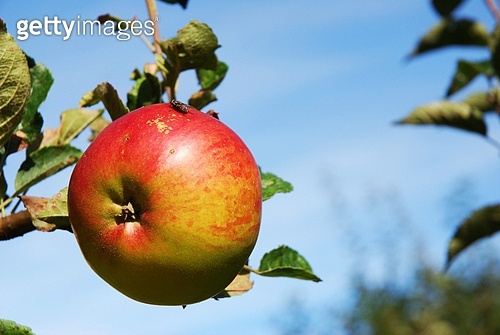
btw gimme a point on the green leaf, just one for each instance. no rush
(445, 7)
(43, 163)
(106, 93)
(97, 126)
(272, 184)
(210, 79)
(8, 327)
(482, 223)
(41, 82)
(73, 122)
(14, 84)
(286, 262)
(450, 32)
(183, 3)
(197, 45)
(49, 214)
(146, 91)
(467, 71)
(201, 98)
(484, 101)
(446, 113)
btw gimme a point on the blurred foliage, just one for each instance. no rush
(433, 304)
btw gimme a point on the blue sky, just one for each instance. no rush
(313, 89)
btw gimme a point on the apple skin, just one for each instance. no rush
(166, 205)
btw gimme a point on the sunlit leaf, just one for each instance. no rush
(449, 32)
(445, 7)
(48, 214)
(482, 223)
(8, 327)
(97, 126)
(74, 121)
(106, 93)
(286, 262)
(240, 285)
(484, 101)
(272, 184)
(467, 71)
(446, 113)
(15, 84)
(43, 163)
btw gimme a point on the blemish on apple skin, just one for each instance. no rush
(160, 125)
(172, 151)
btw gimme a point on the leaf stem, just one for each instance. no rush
(246, 267)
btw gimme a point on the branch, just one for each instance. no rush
(153, 16)
(15, 225)
(492, 6)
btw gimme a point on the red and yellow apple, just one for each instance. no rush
(166, 205)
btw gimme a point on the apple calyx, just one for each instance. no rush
(129, 213)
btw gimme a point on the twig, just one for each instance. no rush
(153, 16)
(492, 6)
(15, 225)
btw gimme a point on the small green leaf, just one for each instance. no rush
(482, 223)
(41, 82)
(197, 45)
(106, 93)
(49, 214)
(183, 3)
(8, 327)
(286, 262)
(467, 71)
(15, 84)
(210, 79)
(450, 32)
(201, 98)
(73, 122)
(446, 113)
(43, 163)
(445, 7)
(272, 184)
(146, 91)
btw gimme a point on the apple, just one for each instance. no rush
(166, 204)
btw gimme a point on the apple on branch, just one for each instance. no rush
(166, 204)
